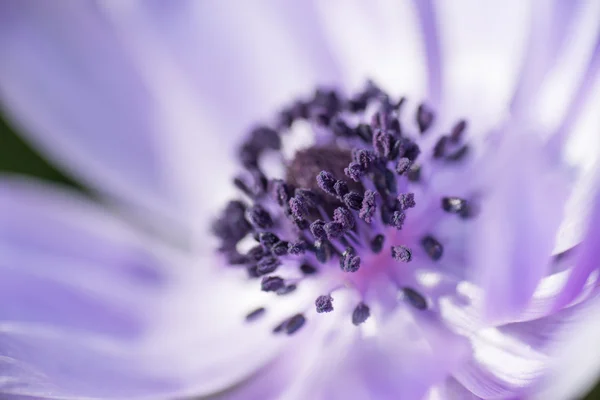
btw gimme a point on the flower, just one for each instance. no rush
(410, 247)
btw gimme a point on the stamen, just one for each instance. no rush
(344, 217)
(440, 147)
(271, 283)
(308, 269)
(324, 304)
(382, 143)
(455, 205)
(267, 239)
(360, 314)
(398, 219)
(401, 253)
(294, 323)
(407, 200)
(368, 207)
(326, 182)
(377, 243)
(341, 188)
(297, 248)
(348, 261)
(457, 132)
(286, 290)
(355, 171)
(317, 228)
(254, 315)
(281, 192)
(432, 247)
(414, 173)
(403, 165)
(424, 118)
(414, 298)
(333, 230)
(364, 132)
(259, 217)
(353, 200)
(280, 248)
(267, 265)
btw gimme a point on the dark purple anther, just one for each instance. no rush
(286, 290)
(256, 253)
(432, 247)
(401, 253)
(353, 200)
(254, 315)
(294, 323)
(424, 117)
(411, 149)
(368, 208)
(271, 283)
(309, 197)
(414, 173)
(354, 171)
(340, 128)
(241, 185)
(280, 248)
(398, 219)
(377, 243)
(267, 239)
(454, 205)
(360, 314)
(280, 192)
(317, 228)
(414, 298)
(297, 248)
(267, 265)
(334, 230)
(263, 137)
(253, 271)
(406, 200)
(308, 269)
(259, 217)
(298, 207)
(439, 150)
(326, 182)
(382, 143)
(403, 165)
(344, 217)
(458, 131)
(458, 154)
(341, 188)
(395, 126)
(324, 304)
(348, 261)
(232, 226)
(364, 157)
(364, 132)
(322, 251)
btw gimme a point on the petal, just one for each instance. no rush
(588, 258)
(379, 41)
(514, 235)
(78, 292)
(67, 80)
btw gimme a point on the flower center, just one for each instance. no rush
(342, 209)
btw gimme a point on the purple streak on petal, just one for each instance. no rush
(428, 22)
(587, 259)
(515, 232)
(548, 28)
(68, 81)
(576, 106)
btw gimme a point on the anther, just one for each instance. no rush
(377, 243)
(308, 269)
(324, 304)
(354, 171)
(364, 157)
(454, 205)
(439, 150)
(265, 138)
(271, 283)
(353, 200)
(414, 298)
(411, 149)
(280, 248)
(368, 207)
(326, 182)
(259, 217)
(414, 173)
(294, 323)
(298, 207)
(360, 314)
(458, 154)
(297, 248)
(322, 251)
(401, 253)
(348, 261)
(267, 265)
(424, 117)
(457, 132)
(317, 228)
(407, 200)
(286, 290)
(254, 315)
(341, 188)
(364, 132)
(256, 253)
(398, 219)
(403, 165)
(382, 143)
(344, 217)
(280, 191)
(333, 230)
(267, 239)
(432, 247)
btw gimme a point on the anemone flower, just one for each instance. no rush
(421, 226)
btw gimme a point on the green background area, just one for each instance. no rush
(18, 157)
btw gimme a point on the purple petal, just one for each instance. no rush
(587, 261)
(68, 81)
(515, 232)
